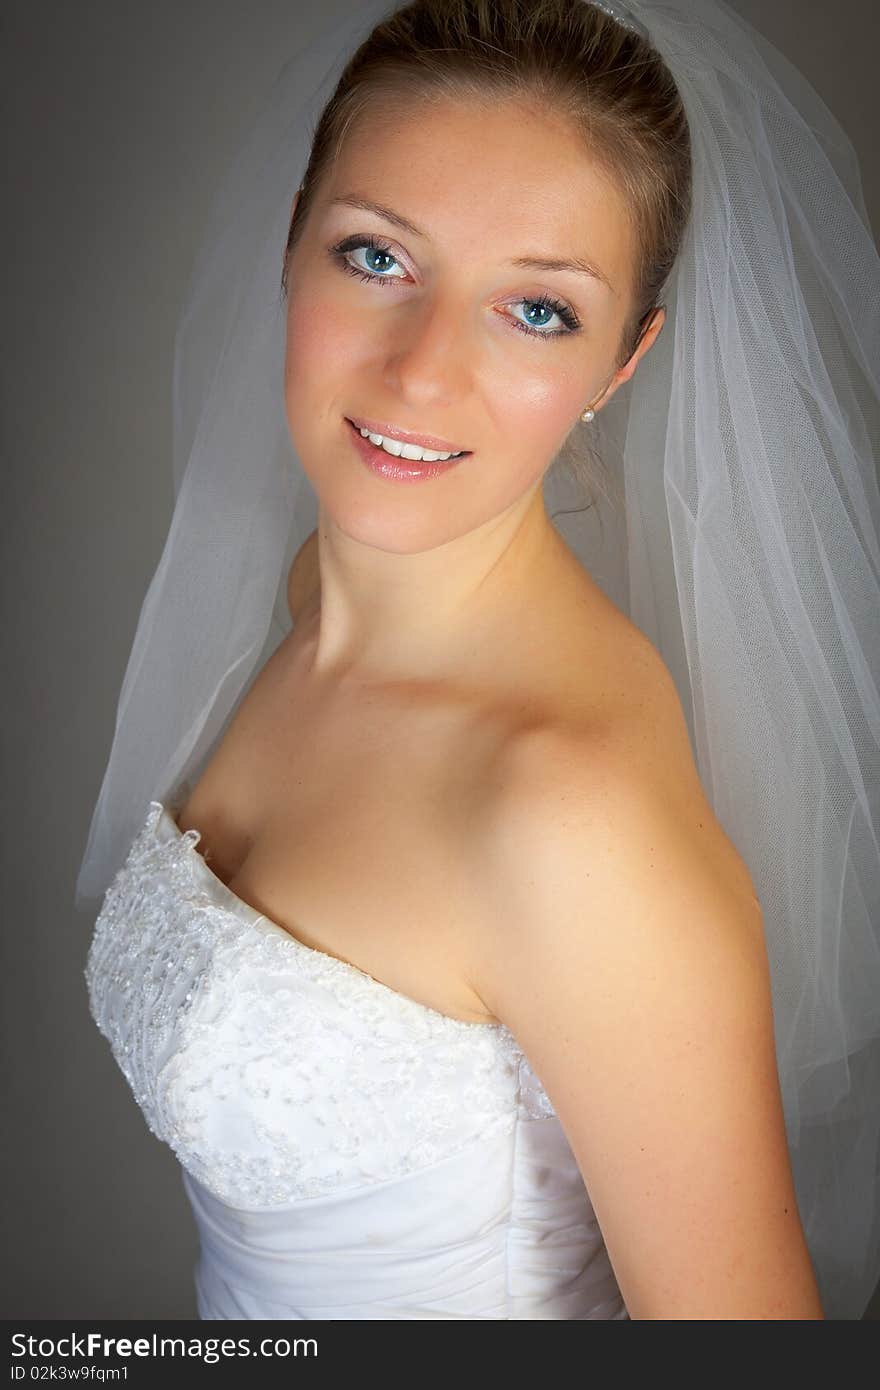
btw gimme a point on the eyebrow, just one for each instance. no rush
(577, 265)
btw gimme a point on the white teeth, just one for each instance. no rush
(407, 451)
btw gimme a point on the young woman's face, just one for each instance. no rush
(450, 338)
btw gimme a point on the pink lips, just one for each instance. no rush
(422, 441)
(398, 469)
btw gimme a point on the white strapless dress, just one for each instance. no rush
(347, 1151)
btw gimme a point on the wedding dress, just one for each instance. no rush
(348, 1152)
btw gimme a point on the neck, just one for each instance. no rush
(385, 616)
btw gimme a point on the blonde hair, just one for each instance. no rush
(567, 57)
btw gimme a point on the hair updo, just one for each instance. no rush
(566, 56)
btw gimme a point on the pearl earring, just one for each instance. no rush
(587, 414)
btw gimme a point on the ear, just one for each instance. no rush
(649, 334)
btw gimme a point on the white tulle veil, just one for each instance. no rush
(747, 549)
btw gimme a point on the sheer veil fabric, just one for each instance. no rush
(744, 545)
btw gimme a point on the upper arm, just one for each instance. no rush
(304, 580)
(628, 959)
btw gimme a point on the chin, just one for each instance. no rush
(398, 520)
(385, 524)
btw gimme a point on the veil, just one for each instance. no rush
(746, 550)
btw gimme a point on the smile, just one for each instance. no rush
(395, 464)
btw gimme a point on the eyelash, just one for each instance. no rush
(544, 301)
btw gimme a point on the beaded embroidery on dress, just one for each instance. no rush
(348, 1151)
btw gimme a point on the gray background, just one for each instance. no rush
(121, 116)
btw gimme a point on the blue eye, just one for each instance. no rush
(556, 306)
(382, 254)
(374, 248)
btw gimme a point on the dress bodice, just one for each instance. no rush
(348, 1152)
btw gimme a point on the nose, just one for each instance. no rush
(429, 360)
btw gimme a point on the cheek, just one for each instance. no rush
(536, 411)
(532, 412)
(319, 337)
(320, 352)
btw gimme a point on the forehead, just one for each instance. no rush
(505, 179)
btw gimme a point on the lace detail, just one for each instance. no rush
(274, 1071)
(533, 1099)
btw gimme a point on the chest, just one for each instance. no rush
(275, 1072)
(345, 819)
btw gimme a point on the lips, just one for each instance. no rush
(389, 431)
(394, 469)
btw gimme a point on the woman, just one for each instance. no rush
(464, 1008)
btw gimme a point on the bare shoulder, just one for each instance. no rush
(624, 774)
(598, 840)
(626, 954)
